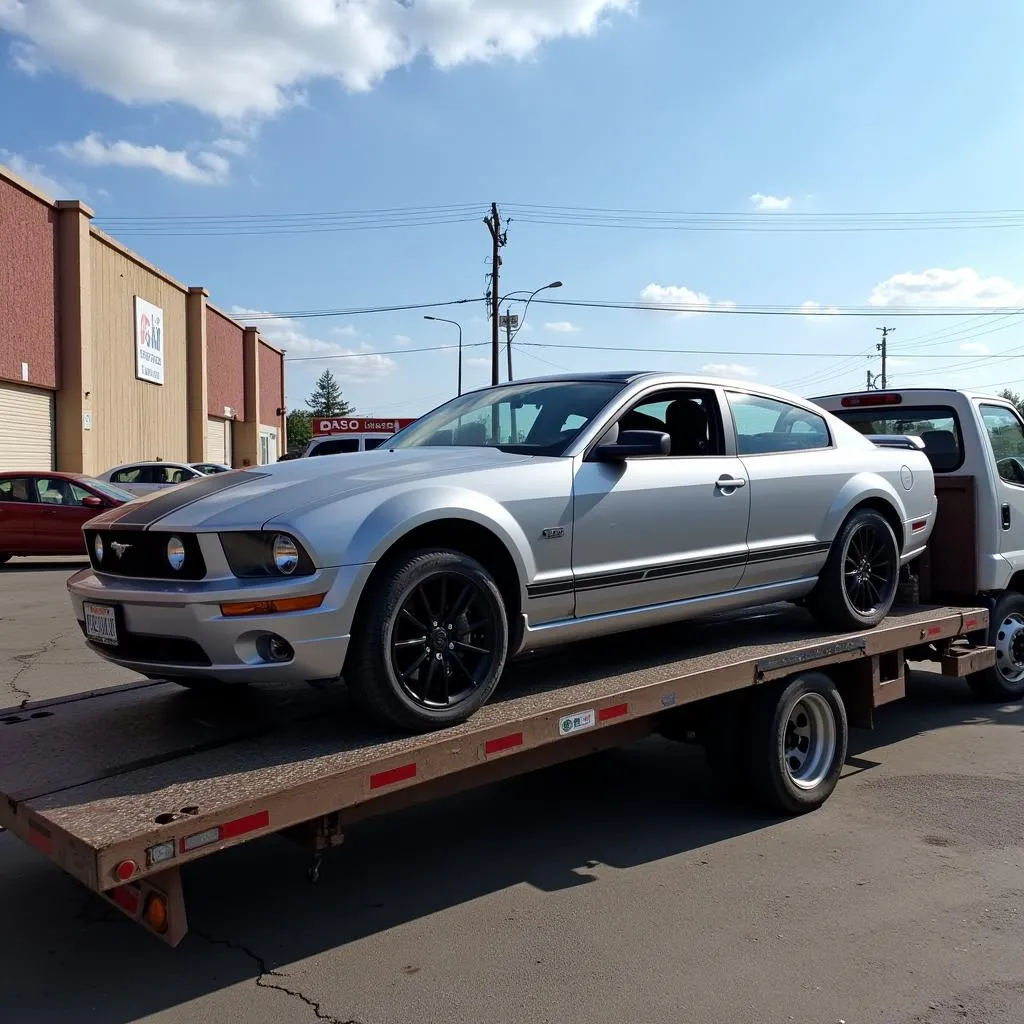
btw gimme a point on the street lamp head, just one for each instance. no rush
(555, 284)
(425, 317)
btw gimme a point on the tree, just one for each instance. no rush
(1014, 398)
(326, 399)
(300, 429)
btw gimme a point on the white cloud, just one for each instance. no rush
(360, 366)
(976, 348)
(817, 313)
(770, 204)
(561, 327)
(940, 287)
(236, 147)
(348, 331)
(238, 60)
(403, 339)
(729, 370)
(34, 174)
(207, 168)
(679, 296)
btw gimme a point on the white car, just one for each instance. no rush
(147, 477)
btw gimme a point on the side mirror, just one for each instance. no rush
(91, 501)
(633, 444)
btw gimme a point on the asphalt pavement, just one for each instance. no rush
(618, 889)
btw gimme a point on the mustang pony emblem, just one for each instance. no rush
(119, 549)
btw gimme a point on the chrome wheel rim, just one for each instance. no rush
(1010, 648)
(444, 640)
(869, 568)
(809, 745)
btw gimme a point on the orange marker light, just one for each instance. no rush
(283, 604)
(155, 912)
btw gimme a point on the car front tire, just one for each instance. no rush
(430, 641)
(857, 587)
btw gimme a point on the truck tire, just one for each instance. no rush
(1005, 680)
(857, 587)
(430, 641)
(796, 742)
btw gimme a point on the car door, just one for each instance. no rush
(17, 519)
(134, 479)
(794, 473)
(62, 514)
(657, 529)
(1005, 435)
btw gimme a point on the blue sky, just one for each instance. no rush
(306, 107)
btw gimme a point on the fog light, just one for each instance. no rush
(279, 649)
(97, 547)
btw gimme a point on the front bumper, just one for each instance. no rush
(169, 629)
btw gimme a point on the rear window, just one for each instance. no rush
(936, 425)
(337, 446)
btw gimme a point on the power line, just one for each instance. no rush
(369, 353)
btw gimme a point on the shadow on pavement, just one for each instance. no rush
(254, 911)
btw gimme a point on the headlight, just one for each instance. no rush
(286, 554)
(97, 547)
(175, 553)
(258, 555)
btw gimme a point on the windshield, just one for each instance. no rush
(108, 489)
(539, 418)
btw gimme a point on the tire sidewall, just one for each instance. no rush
(790, 795)
(1001, 688)
(846, 535)
(421, 566)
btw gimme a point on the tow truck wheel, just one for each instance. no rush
(796, 742)
(1005, 680)
(857, 586)
(431, 643)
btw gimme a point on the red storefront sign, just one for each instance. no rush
(327, 426)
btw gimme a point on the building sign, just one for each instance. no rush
(149, 341)
(333, 425)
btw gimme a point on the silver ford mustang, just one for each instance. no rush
(509, 518)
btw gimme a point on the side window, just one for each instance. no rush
(342, 444)
(690, 418)
(18, 488)
(53, 491)
(1006, 436)
(129, 475)
(767, 426)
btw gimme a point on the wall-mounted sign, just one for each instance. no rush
(358, 425)
(149, 341)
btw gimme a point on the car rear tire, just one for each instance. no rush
(857, 587)
(797, 737)
(430, 641)
(1005, 680)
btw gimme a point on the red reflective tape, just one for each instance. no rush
(393, 775)
(615, 711)
(970, 623)
(239, 827)
(39, 837)
(496, 746)
(934, 630)
(126, 898)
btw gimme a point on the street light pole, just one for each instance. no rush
(441, 319)
(509, 333)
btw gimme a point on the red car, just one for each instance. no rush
(43, 513)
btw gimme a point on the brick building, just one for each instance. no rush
(105, 359)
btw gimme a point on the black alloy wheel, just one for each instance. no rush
(870, 568)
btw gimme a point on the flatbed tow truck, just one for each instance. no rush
(123, 787)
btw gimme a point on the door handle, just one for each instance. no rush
(728, 483)
(1005, 513)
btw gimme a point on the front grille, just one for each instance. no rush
(144, 554)
(165, 650)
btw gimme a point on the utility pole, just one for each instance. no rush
(883, 348)
(498, 240)
(508, 321)
(870, 386)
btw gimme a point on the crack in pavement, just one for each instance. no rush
(265, 973)
(28, 661)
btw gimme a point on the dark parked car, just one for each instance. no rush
(43, 513)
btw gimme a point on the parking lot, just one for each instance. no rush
(617, 888)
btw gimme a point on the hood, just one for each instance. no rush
(256, 496)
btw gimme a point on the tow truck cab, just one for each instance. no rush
(975, 443)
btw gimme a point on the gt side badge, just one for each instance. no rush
(553, 532)
(576, 723)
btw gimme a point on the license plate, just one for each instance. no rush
(100, 623)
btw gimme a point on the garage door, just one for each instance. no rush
(26, 428)
(218, 440)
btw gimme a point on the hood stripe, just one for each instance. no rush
(146, 513)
